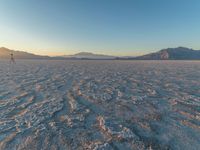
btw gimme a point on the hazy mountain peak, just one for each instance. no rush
(4, 49)
(89, 55)
(179, 53)
(181, 47)
(5, 54)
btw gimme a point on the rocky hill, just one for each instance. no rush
(179, 53)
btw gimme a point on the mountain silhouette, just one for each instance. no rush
(179, 53)
(5, 54)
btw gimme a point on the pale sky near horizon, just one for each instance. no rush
(114, 27)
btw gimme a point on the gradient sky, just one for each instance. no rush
(116, 27)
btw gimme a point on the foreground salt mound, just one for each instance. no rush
(99, 105)
(38, 113)
(122, 134)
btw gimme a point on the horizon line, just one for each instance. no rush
(96, 53)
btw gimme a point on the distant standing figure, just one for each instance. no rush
(12, 60)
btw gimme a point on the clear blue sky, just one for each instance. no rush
(117, 27)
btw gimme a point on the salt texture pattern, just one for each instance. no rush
(99, 105)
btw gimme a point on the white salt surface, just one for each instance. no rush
(99, 105)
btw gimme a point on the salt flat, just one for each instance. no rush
(87, 104)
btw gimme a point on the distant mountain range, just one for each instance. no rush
(179, 53)
(5, 54)
(86, 55)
